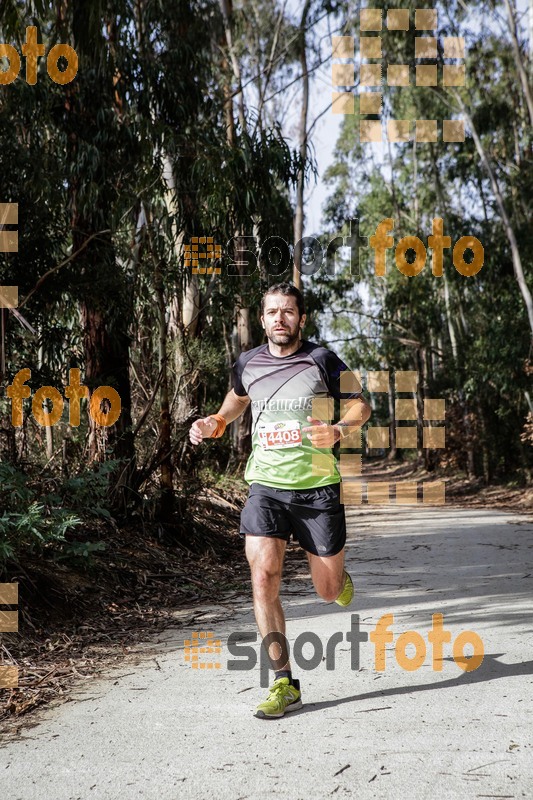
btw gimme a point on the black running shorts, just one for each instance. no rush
(315, 517)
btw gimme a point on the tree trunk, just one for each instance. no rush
(468, 440)
(392, 415)
(509, 230)
(165, 439)
(450, 321)
(485, 452)
(419, 356)
(106, 362)
(240, 432)
(519, 64)
(530, 37)
(226, 6)
(105, 301)
(185, 307)
(302, 142)
(49, 434)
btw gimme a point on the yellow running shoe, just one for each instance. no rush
(346, 595)
(283, 697)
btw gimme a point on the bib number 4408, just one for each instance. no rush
(273, 435)
(278, 437)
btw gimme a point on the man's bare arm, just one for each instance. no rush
(357, 412)
(232, 407)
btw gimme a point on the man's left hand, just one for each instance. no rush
(322, 435)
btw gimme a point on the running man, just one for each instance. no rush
(292, 470)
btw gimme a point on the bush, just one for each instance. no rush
(33, 520)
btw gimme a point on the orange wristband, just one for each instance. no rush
(221, 426)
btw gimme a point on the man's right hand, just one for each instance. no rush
(202, 429)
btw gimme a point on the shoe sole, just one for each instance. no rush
(292, 707)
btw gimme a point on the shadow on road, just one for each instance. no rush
(416, 564)
(491, 669)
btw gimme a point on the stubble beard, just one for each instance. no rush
(284, 339)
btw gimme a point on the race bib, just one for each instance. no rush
(276, 435)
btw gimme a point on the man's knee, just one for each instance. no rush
(330, 587)
(265, 582)
(328, 592)
(327, 574)
(265, 558)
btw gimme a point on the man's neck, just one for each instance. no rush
(281, 350)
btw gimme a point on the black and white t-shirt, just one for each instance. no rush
(282, 390)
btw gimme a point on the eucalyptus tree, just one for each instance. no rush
(31, 171)
(258, 167)
(470, 336)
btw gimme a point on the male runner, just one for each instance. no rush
(292, 471)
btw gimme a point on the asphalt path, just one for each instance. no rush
(163, 729)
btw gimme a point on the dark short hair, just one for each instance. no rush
(286, 289)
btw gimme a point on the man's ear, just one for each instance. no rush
(302, 321)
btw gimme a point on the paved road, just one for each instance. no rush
(169, 731)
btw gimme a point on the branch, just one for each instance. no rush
(281, 55)
(270, 64)
(149, 404)
(62, 264)
(401, 340)
(377, 319)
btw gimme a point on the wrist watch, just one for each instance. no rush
(344, 429)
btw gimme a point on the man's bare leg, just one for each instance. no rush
(327, 573)
(265, 556)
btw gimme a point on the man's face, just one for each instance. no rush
(281, 319)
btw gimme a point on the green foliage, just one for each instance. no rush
(32, 530)
(79, 553)
(88, 492)
(35, 520)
